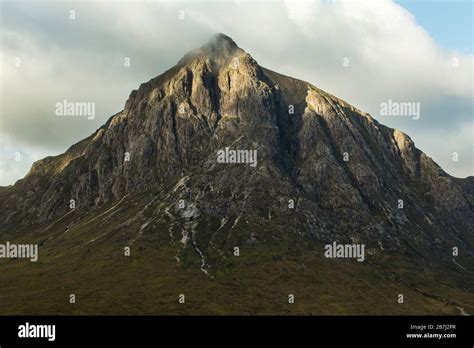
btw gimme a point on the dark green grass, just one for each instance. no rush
(149, 281)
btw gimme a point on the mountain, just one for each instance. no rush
(153, 179)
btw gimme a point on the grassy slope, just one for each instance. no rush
(257, 282)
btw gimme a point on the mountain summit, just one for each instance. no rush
(219, 49)
(324, 172)
(220, 44)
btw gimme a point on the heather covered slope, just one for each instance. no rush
(84, 255)
(345, 172)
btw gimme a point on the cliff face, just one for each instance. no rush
(346, 173)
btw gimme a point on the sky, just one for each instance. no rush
(365, 52)
(449, 22)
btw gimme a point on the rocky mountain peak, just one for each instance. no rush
(219, 49)
(347, 174)
(220, 44)
(219, 153)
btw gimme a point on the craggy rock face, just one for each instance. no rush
(345, 172)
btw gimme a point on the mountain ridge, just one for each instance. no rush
(248, 105)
